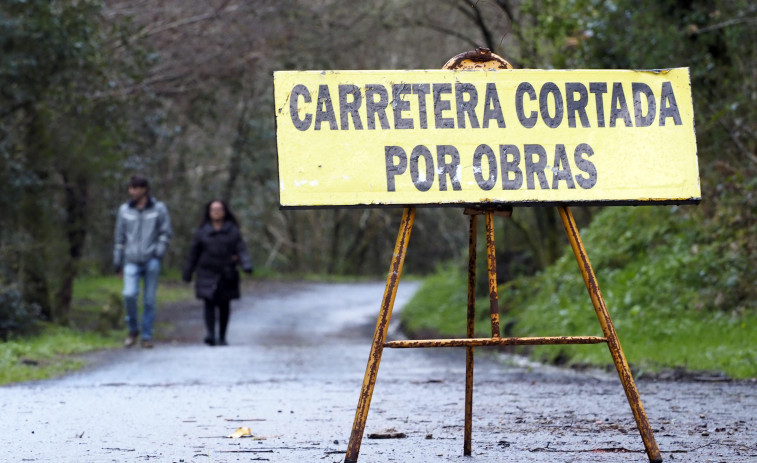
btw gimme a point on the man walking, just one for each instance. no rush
(143, 231)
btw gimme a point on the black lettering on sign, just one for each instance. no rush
(523, 89)
(349, 108)
(422, 90)
(478, 173)
(599, 89)
(574, 105)
(445, 169)
(668, 105)
(441, 105)
(375, 108)
(298, 91)
(535, 166)
(638, 89)
(551, 89)
(400, 105)
(393, 169)
(492, 107)
(509, 166)
(422, 184)
(585, 165)
(618, 106)
(324, 111)
(466, 105)
(561, 168)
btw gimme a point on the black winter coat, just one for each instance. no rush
(215, 255)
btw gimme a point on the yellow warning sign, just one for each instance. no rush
(440, 137)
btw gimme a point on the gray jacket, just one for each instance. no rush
(141, 234)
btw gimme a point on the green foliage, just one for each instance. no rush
(675, 298)
(439, 307)
(549, 30)
(61, 140)
(16, 315)
(440, 304)
(709, 37)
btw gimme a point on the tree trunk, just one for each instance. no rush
(238, 148)
(548, 235)
(33, 230)
(335, 263)
(76, 199)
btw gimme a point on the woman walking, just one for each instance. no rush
(217, 249)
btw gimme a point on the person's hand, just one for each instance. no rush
(120, 273)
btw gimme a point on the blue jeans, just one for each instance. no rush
(149, 273)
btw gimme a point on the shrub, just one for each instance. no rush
(16, 315)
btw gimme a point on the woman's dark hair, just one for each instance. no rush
(138, 181)
(227, 216)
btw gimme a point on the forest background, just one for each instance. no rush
(181, 91)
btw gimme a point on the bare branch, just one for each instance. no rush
(448, 31)
(723, 25)
(215, 14)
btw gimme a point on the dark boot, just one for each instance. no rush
(210, 323)
(224, 311)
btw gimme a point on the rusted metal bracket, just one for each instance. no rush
(475, 342)
(480, 58)
(502, 211)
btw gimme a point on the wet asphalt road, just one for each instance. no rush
(292, 374)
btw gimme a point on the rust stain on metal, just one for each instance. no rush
(472, 243)
(492, 264)
(621, 365)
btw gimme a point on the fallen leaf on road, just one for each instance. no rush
(243, 431)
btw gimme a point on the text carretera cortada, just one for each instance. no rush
(461, 105)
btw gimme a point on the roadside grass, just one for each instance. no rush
(674, 297)
(91, 293)
(95, 322)
(53, 351)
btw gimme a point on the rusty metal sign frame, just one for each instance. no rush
(483, 59)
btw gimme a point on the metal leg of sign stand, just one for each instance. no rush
(612, 337)
(379, 337)
(471, 309)
(471, 333)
